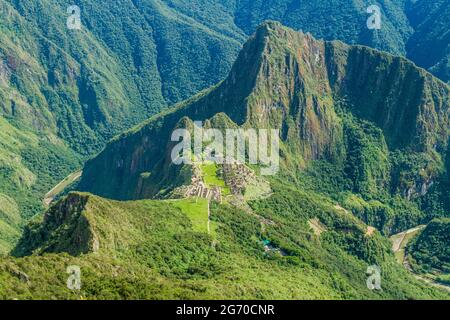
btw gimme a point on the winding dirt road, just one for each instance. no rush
(398, 240)
(71, 178)
(399, 244)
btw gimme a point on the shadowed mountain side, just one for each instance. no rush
(306, 88)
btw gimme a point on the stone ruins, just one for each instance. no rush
(237, 176)
(199, 189)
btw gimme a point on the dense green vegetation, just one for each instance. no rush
(373, 182)
(29, 167)
(429, 46)
(334, 143)
(132, 59)
(417, 29)
(151, 250)
(70, 91)
(430, 250)
(364, 143)
(445, 279)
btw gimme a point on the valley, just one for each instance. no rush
(399, 247)
(70, 179)
(400, 241)
(80, 104)
(354, 175)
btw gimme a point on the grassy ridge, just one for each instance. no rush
(84, 87)
(29, 167)
(150, 250)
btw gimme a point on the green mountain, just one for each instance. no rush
(376, 121)
(430, 250)
(429, 46)
(364, 148)
(162, 250)
(364, 138)
(73, 90)
(417, 29)
(64, 93)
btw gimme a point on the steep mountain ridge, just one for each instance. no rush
(73, 90)
(162, 249)
(429, 46)
(64, 228)
(131, 59)
(406, 102)
(306, 88)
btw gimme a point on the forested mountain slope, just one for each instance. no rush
(72, 90)
(162, 250)
(429, 46)
(364, 154)
(380, 121)
(416, 29)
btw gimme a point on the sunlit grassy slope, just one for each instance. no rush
(152, 249)
(212, 178)
(196, 209)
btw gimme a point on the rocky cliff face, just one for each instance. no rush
(290, 81)
(406, 102)
(65, 228)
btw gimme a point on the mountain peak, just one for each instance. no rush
(287, 80)
(274, 31)
(65, 228)
(268, 26)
